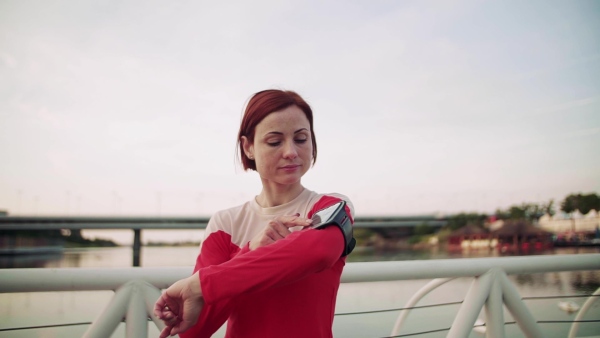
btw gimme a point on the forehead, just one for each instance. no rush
(287, 120)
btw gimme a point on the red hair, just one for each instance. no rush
(264, 103)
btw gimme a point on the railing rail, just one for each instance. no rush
(136, 287)
(88, 279)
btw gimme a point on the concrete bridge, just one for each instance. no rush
(388, 227)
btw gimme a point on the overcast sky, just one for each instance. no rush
(132, 108)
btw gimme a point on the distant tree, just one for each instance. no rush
(588, 203)
(424, 229)
(362, 236)
(517, 212)
(525, 211)
(502, 214)
(460, 220)
(569, 204)
(548, 208)
(583, 203)
(533, 211)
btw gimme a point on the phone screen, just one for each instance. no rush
(324, 215)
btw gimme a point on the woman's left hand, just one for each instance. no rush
(179, 306)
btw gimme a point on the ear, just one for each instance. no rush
(248, 147)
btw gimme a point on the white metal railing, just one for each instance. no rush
(137, 288)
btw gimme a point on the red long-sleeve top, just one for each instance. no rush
(285, 289)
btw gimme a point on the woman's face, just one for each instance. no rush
(282, 146)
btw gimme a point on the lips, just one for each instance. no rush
(290, 166)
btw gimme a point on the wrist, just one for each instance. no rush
(194, 284)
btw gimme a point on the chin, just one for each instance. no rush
(290, 180)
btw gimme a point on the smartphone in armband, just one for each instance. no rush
(335, 215)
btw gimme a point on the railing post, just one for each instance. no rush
(133, 301)
(414, 300)
(111, 316)
(137, 245)
(518, 310)
(471, 306)
(136, 319)
(588, 303)
(494, 310)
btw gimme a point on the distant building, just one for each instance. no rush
(469, 237)
(521, 235)
(561, 223)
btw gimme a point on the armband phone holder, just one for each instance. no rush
(335, 215)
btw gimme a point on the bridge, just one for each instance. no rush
(387, 227)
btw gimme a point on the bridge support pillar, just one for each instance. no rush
(137, 246)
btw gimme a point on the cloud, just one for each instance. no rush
(566, 106)
(8, 60)
(559, 66)
(414, 96)
(582, 133)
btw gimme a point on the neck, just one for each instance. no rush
(274, 195)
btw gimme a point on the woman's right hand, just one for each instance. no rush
(179, 305)
(278, 228)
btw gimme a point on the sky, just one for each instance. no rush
(118, 108)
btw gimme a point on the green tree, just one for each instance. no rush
(569, 204)
(582, 202)
(460, 220)
(525, 211)
(517, 212)
(588, 203)
(424, 229)
(548, 208)
(502, 214)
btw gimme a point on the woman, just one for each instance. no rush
(261, 267)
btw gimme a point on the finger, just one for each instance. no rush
(293, 221)
(164, 312)
(281, 231)
(180, 326)
(265, 240)
(271, 236)
(165, 332)
(177, 329)
(159, 305)
(171, 321)
(167, 315)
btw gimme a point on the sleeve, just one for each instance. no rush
(290, 259)
(216, 248)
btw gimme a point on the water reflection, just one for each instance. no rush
(577, 282)
(555, 280)
(585, 281)
(533, 280)
(29, 261)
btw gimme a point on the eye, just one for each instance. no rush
(301, 140)
(273, 144)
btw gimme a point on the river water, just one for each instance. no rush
(75, 309)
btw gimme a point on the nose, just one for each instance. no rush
(290, 151)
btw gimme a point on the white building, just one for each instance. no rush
(577, 222)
